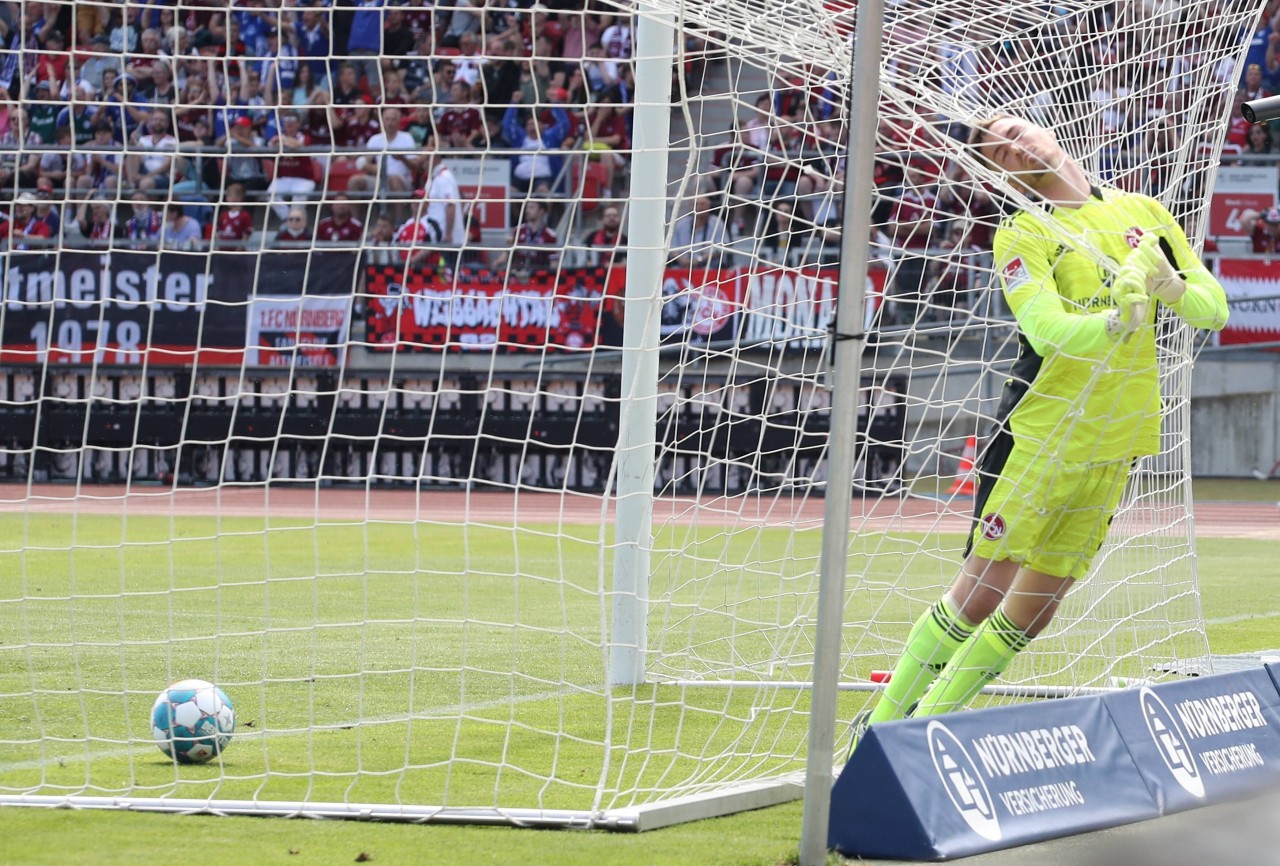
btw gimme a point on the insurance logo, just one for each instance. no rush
(1171, 742)
(964, 784)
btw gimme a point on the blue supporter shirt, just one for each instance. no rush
(366, 27)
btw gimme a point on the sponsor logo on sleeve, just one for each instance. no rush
(1015, 273)
(1133, 236)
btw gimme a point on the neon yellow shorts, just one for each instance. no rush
(1045, 514)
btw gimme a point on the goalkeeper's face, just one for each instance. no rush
(1027, 152)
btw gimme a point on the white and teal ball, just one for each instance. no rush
(192, 721)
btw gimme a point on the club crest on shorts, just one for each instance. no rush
(1015, 273)
(992, 526)
(1132, 236)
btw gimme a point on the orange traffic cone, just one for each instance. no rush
(963, 484)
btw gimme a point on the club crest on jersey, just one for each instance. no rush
(1133, 236)
(992, 527)
(1015, 273)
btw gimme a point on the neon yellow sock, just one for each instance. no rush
(983, 658)
(933, 640)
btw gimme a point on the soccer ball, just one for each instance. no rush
(192, 721)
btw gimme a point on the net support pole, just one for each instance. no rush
(638, 418)
(846, 355)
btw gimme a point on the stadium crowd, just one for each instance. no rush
(278, 123)
(215, 124)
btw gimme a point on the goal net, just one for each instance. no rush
(321, 333)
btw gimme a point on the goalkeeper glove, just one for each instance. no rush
(1163, 281)
(1129, 291)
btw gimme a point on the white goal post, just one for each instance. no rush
(478, 509)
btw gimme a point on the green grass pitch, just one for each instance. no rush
(148, 595)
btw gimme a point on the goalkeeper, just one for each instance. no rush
(1081, 403)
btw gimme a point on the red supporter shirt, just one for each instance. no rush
(466, 118)
(350, 231)
(33, 229)
(356, 134)
(234, 225)
(297, 166)
(602, 238)
(524, 258)
(417, 230)
(1263, 240)
(316, 126)
(915, 205)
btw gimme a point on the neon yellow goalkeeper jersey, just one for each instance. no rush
(1072, 391)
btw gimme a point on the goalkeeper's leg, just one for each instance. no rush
(984, 656)
(943, 629)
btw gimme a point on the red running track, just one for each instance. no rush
(1212, 519)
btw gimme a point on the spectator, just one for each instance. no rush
(152, 169)
(105, 161)
(1263, 229)
(444, 198)
(1253, 84)
(304, 86)
(27, 231)
(604, 135)
(535, 246)
(698, 237)
(341, 226)
(354, 127)
(397, 36)
(616, 38)
(313, 42)
(17, 164)
(195, 108)
(465, 19)
(364, 42)
(181, 232)
(393, 90)
(145, 225)
(502, 76)
(419, 239)
(466, 63)
(244, 169)
(279, 67)
(1259, 141)
(601, 73)
(294, 233)
(534, 166)
(379, 245)
(348, 90)
(79, 115)
(395, 172)
(294, 175)
(52, 65)
(460, 117)
(579, 31)
(100, 59)
(42, 113)
(910, 228)
(235, 223)
(46, 211)
(146, 56)
(736, 170)
(94, 223)
(608, 241)
(66, 167)
(421, 124)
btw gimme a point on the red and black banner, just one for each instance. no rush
(580, 308)
(165, 308)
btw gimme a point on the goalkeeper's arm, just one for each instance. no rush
(1179, 280)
